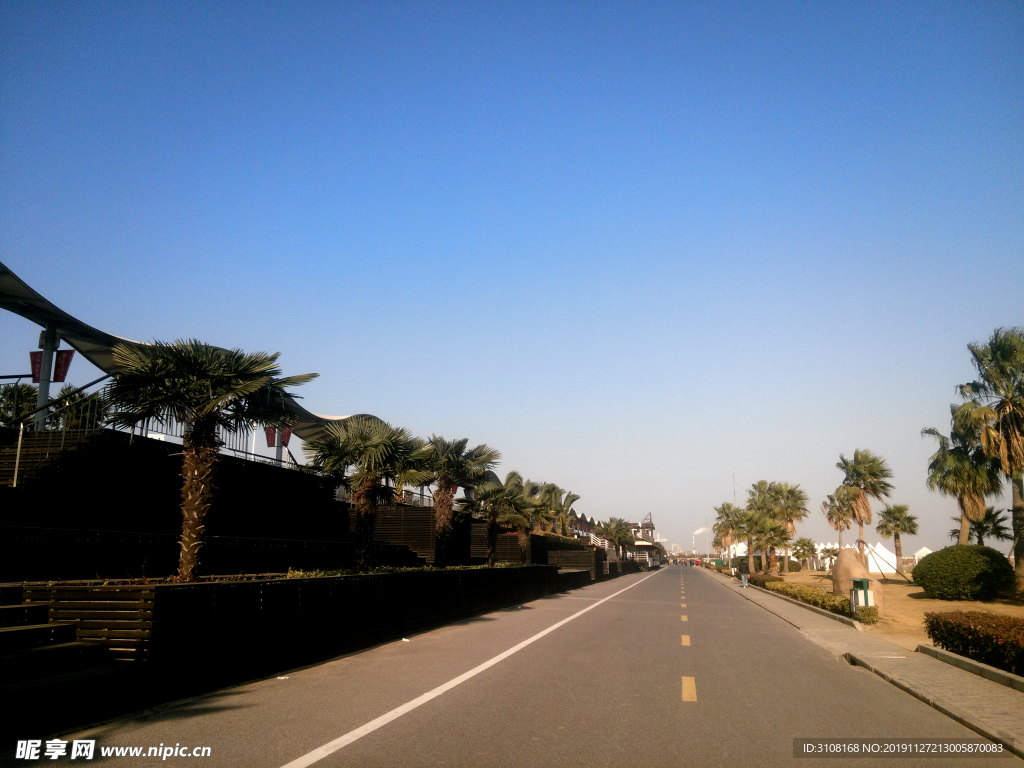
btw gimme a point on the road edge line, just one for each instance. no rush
(343, 741)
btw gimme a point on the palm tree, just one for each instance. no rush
(362, 454)
(616, 530)
(992, 526)
(745, 528)
(789, 508)
(868, 475)
(449, 464)
(522, 508)
(838, 510)
(893, 521)
(996, 405)
(563, 513)
(728, 523)
(760, 508)
(74, 410)
(550, 496)
(493, 500)
(770, 534)
(207, 389)
(804, 549)
(960, 468)
(830, 554)
(16, 402)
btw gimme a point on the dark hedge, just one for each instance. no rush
(986, 637)
(964, 572)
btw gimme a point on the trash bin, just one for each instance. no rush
(861, 595)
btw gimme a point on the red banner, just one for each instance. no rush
(62, 363)
(37, 365)
(271, 434)
(285, 434)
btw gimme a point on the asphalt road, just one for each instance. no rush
(623, 681)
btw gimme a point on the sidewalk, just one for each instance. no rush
(993, 710)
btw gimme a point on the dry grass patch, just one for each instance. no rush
(906, 605)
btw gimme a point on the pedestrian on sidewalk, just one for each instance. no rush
(744, 573)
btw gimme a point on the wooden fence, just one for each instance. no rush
(590, 560)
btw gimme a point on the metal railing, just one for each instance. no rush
(421, 497)
(74, 416)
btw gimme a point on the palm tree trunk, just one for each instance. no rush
(492, 539)
(899, 551)
(764, 561)
(443, 521)
(785, 561)
(524, 544)
(199, 450)
(965, 529)
(750, 555)
(1017, 516)
(366, 519)
(860, 542)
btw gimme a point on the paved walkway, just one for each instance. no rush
(993, 710)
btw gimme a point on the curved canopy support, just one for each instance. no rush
(96, 346)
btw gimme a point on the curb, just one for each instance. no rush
(961, 717)
(974, 667)
(820, 611)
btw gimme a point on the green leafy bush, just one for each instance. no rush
(813, 596)
(986, 637)
(867, 614)
(964, 572)
(761, 579)
(794, 565)
(557, 542)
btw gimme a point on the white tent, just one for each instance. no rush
(880, 559)
(921, 553)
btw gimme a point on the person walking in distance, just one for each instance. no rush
(744, 573)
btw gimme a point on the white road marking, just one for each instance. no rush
(343, 741)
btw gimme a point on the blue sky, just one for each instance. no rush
(637, 247)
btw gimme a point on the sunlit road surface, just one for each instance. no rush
(615, 674)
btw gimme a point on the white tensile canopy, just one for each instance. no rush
(880, 559)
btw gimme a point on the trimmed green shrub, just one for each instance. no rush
(813, 596)
(867, 614)
(986, 637)
(794, 565)
(761, 579)
(964, 572)
(558, 542)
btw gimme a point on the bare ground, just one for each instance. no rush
(906, 604)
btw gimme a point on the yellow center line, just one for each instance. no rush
(685, 619)
(689, 689)
(683, 605)
(686, 640)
